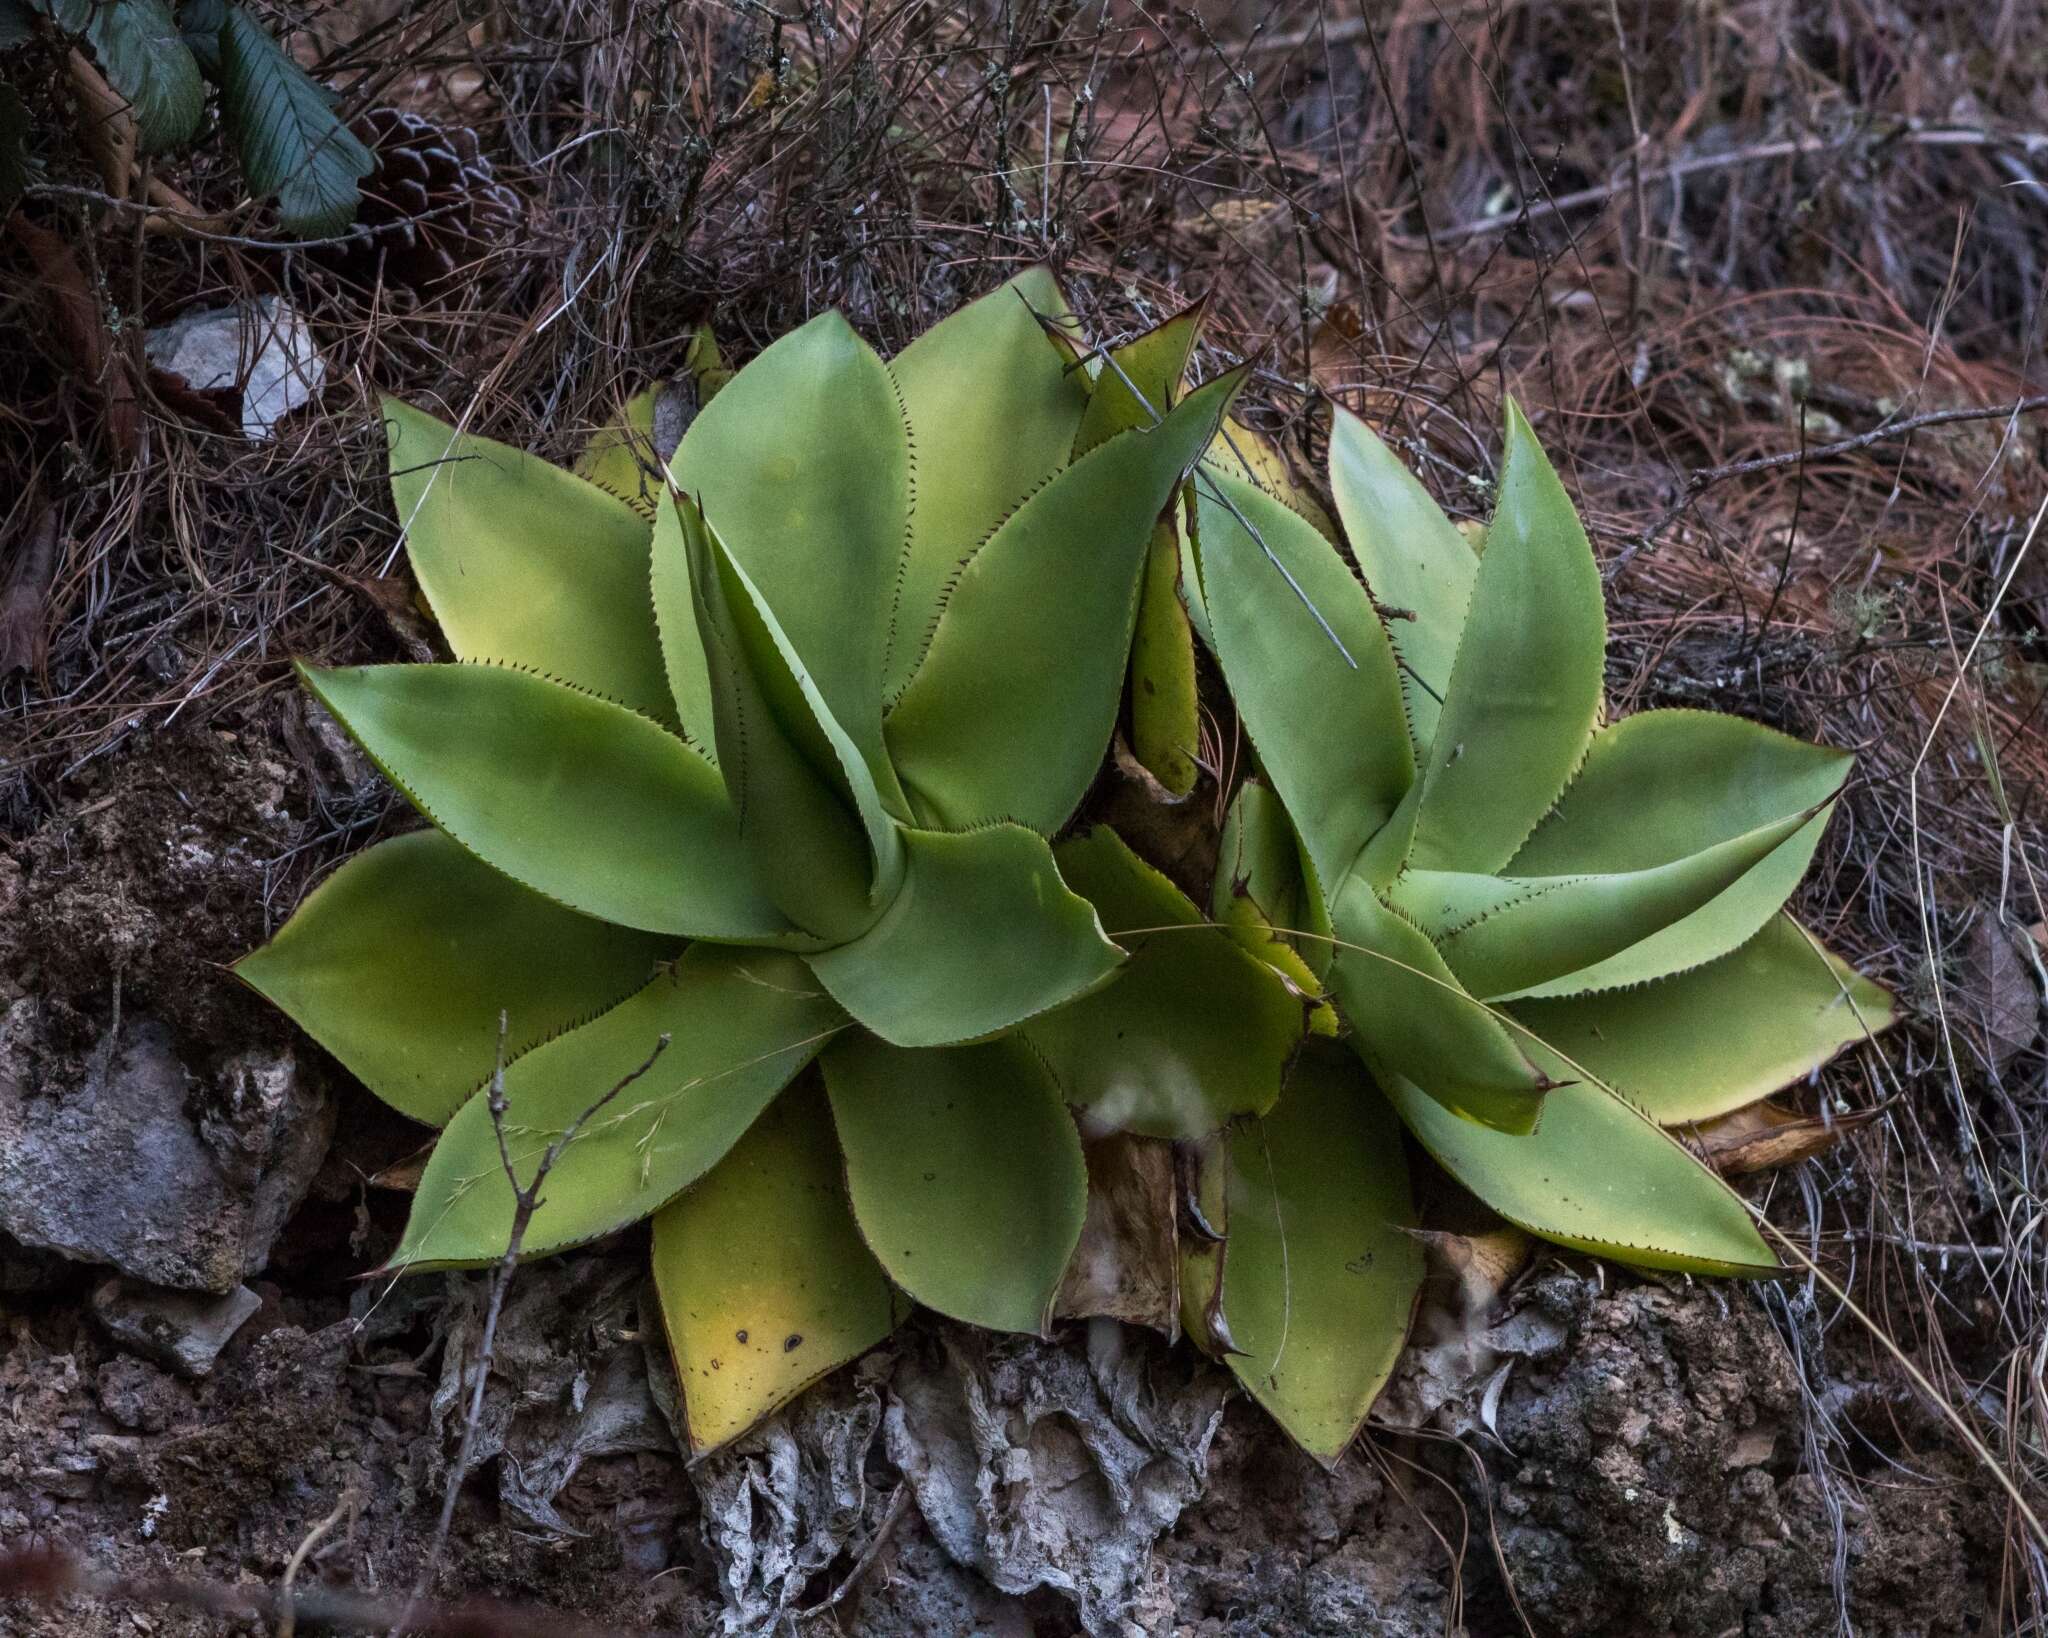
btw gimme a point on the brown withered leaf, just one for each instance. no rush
(78, 327)
(25, 578)
(392, 597)
(1999, 994)
(1455, 1350)
(403, 1176)
(1126, 1266)
(1333, 352)
(1765, 1136)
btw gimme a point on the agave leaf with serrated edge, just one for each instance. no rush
(1550, 926)
(808, 442)
(1322, 1271)
(809, 813)
(584, 801)
(982, 935)
(1192, 1033)
(1414, 559)
(1597, 1175)
(966, 1174)
(1139, 380)
(1525, 688)
(401, 962)
(740, 1025)
(1414, 1018)
(764, 1280)
(1709, 1041)
(992, 409)
(1309, 669)
(1661, 784)
(988, 730)
(525, 563)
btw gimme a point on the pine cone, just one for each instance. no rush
(432, 206)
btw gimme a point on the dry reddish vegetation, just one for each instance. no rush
(1708, 245)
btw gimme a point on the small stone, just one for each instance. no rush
(135, 1394)
(259, 355)
(170, 1177)
(178, 1329)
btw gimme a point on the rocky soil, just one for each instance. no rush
(193, 1372)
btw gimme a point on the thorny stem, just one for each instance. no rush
(525, 1201)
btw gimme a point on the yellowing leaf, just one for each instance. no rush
(1709, 1041)
(764, 1281)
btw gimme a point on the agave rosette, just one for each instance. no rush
(774, 776)
(1551, 938)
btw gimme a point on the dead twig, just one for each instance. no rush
(899, 1504)
(288, 1621)
(526, 1201)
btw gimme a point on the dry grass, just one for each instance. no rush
(1685, 234)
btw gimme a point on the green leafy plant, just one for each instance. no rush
(148, 94)
(773, 777)
(1551, 938)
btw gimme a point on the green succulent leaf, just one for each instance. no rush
(966, 1173)
(1525, 689)
(145, 59)
(619, 457)
(1414, 1020)
(1551, 926)
(807, 445)
(675, 619)
(1721, 1036)
(1662, 784)
(1598, 1176)
(400, 962)
(822, 847)
(1246, 453)
(1321, 1274)
(582, 800)
(987, 729)
(740, 1023)
(992, 407)
(1194, 1031)
(981, 935)
(1413, 559)
(525, 563)
(1326, 720)
(292, 144)
(1140, 380)
(1262, 892)
(1166, 706)
(764, 1280)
